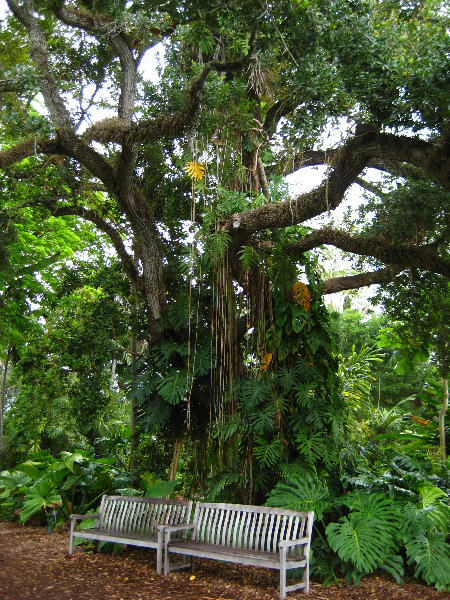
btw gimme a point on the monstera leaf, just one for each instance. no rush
(41, 496)
(430, 554)
(301, 493)
(369, 534)
(359, 543)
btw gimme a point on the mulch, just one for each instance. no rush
(35, 566)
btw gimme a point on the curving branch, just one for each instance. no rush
(400, 255)
(349, 162)
(347, 165)
(353, 282)
(27, 148)
(400, 155)
(107, 228)
(107, 28)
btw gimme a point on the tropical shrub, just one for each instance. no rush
(398, 527)
(51, 489)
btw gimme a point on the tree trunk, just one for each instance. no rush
(178, 445)
(133, 357)
(3, 395)
(442, 414)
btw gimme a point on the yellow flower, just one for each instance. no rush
(195, 170)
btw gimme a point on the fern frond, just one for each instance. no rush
(230, 426)
(299, 372)
(311, 446)
(249, 257)
(394, 566)
(217, 484)
(304, 394)
(263, 420)
(252, 392)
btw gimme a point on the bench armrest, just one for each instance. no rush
(74, 517)
(290, 543)
(171, 528)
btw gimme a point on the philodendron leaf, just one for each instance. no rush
(161, 489)
(40, 496)
(14, 480)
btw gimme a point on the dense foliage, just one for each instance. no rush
(161, 285)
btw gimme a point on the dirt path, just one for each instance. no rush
(35, 566)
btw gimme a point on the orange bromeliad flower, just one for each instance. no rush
(267, 359)
(195, 170)
(302, 295)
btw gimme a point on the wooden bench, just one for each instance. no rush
(251, 535)
(133, 520)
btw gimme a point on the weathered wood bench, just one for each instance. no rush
(133, 520)
(251, 535)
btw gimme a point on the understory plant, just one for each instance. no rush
(375, 524)
(50, 489)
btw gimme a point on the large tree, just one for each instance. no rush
(248, 91)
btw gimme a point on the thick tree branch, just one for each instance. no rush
(166, 126)
(401, 255)
(102, 25)
(27, 148)
(399, 155)
(38, 53)
(352, 282)
(347, 164)
(68, 144)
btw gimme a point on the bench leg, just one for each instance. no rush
(159, 552)
(192, 563)
(166, 553)
(306, 578)
(72, 529)
(282, 573)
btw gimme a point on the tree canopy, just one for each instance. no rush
(185, 178)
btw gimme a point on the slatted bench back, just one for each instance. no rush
(140, 516)
(253, 527)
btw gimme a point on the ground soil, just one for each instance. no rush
(35, 566)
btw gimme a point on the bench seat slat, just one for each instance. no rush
(117, 537)
(238, 555)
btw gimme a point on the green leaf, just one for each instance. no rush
(394, 566)
(268, 454)
(301, 493)
(430, 554)
(40, 496)
(359, 543)
(173, 386)
(161, 489)
(13, 481)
